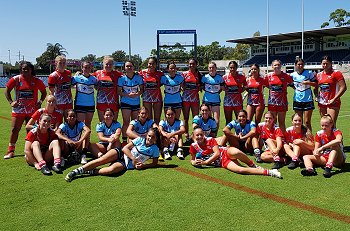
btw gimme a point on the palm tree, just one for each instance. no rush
(54, 50)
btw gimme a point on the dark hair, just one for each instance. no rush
(171, 109)
(157, 133)
(255, 64)
(170, 63)
(328, 58)
(109, 109)
(298, 59)
(86, 62)
(211, 62)
(234, 63)
(276, 60)
(129, 61)
(71, 110)
(270, 112)
(197, 127)
(29, 64)
(205, 105)
(45, 114)
(154, 59)
(305, 131)
(244, 111)
(197, 71)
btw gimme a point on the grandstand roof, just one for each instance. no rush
(311, 34)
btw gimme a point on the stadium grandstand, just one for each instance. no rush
(334, 42)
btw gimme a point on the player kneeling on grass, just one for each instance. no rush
(108, 133)
(136, 153)
(298, 141)
(205, 151)
(42, 146)
(171, 130)
(72, 135)
(328, 149)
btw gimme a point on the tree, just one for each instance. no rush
(137, 60)
(119, 56)
(89, 58)
(256, 34)
(52, 51)
(339, 17)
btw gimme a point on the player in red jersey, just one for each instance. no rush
(272, 137)
(59, 83)
(234, 86)
(50, 108)
(42, 146)
(107, 83)
(205, 151)
(331, 87)
(190, 96)
(26, 87)
(277, 82)
(328, 149)
(255, 100)
(152, 96)
(298, 141)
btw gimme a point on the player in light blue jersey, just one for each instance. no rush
(130, 87)
(205, 121)
(140, 126)
(72, 135)
(136, 153)
(172, 129)
(173, 84)
(303, 102)
(240, 133)
(108, 133)
(213, 84)
(84, 103)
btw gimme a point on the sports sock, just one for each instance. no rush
(276, 158)
(79, 171)
(295, 158)
(11, 147)
(257, 151)
(266, 172)
(251, 164)
(329, 165)
(57, 161)
(42, 163)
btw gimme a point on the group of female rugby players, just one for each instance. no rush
(57, 132)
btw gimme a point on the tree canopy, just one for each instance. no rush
(339, 17)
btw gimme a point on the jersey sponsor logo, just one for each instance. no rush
(26, 94)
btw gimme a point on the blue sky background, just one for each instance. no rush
(100, 28)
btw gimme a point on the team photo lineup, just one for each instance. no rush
(140, 126)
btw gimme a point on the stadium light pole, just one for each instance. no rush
(267, 38)
(129, 9)
(9, 57)
(302, 29)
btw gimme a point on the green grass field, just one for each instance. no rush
(175, 196)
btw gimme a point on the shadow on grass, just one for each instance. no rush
(346, 148)
(342, 169)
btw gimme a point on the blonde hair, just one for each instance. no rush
(60, 58)
(107, 59)
(48, 97)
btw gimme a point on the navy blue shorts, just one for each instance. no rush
(303, 106)
(173, 105)
(211, 103)
(129, 107)
(84, 109)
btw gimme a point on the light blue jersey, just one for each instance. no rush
(208, 126)
(141, 152)
(238, 128)
(85, 90)
(130, 85)
(73, 133)
(172, 87)
(171, 128)
(303, 92)
(212, 87)
(107, 131)
(142, 129)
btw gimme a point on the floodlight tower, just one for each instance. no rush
(129, 9)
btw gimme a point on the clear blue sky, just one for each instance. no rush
(100, 28)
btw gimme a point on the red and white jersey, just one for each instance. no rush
(328, 84)
(61, 82)
(322, 138)
(44, 138)
(266, 133)
(26, 93)
(107, 83)
(152, 93)
(191, 87)
(255, 89)
(291, 135)
(234, 87)
(206, 149)
(56, 116)
(278, 88)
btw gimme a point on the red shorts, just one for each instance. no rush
(277, 108)
(190, 104)
(104, 106)
(233, 108)
(225, 159)
(64, 107)
(335, 105)
(26, 117)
